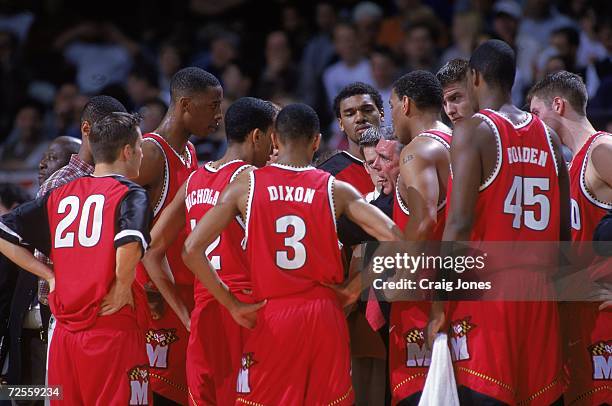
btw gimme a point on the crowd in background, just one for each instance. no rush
(54, 55)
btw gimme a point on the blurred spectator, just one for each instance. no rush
(466, 28)
(142, 85)
(420, 48)
(392, 28)
(63, 119)
(367, 17)
(541, 18)
(224, 48)
(101, 53)
(599, 74)
(18, 22)
(590, 49)
(506, 19)
(384, 72)
(236, 81)
(317, 55)
(352, 66)
(152, 111)
(12, 81)
(294, 26)
(25, 146)
(280, 75)
(169, 60)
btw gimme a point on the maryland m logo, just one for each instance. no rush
(601, 353)
(242, 384)
(139, 385)
(417, 354)
(459, 330)
(158, 346)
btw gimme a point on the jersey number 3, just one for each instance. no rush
(71, 204)
(292, 241)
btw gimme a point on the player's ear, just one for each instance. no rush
(85, 128)
(184, 104)
(340, 124)
(406, 105)
(275, 139)
(558, 105)
(475, 77)
(316, 143)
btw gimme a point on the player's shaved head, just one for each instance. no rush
(247, 114)
(562, 84)
(109, 135)
(99, 107)
(422, 88)
(189, 81)
(297, 122)
(496, 62)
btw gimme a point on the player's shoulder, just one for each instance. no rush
(602, 138)
(336, 161)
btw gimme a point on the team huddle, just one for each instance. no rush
(227, 283)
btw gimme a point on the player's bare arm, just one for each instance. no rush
(165, 231)
(419, 187)
(600, 183)
(26, 260)
(372, 220)
(468, 174)
(151, 175)
(564, 191)
(232, 203)
(120, 293)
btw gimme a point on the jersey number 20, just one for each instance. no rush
(71, 204)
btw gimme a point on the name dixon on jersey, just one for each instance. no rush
(291, 194)
(527, 155)
(201, 196)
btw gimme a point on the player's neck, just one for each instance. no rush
(428, 121)
(353, 149)
(297, 158)
(115, 168)
(574, 133)
(496, 101)
(85, 155)
(234, 152)
(174, 133)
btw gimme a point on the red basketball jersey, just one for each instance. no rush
(350, 169)
(587, 211)
(176, 171)
(520, 200)
(291, 238)
(79, 226)
(204, 187)
(401, 214)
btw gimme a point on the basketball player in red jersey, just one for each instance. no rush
(560, 101)
(416, 103)
(215, 345)
(358, 107)
(169, 158)
(290, 210)
(452, 77)
(97, 353)
(485, 206)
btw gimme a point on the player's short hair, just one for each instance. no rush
(564, 84)
(99, 107)
(355, 89)
(297, 122)
(112, 133)
(247, 114)
(496, 62)
(422, 87)
(370, 137)
(453, 71)
(188, 81)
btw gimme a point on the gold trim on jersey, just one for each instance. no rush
(341, 398)
(169, 382)
(410, 378)
(488, 378)
(555, 382)
(589, 394)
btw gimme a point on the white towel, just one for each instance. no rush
(440, 387)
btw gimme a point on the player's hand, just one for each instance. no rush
(605, 305)
(51, 282)
(118, 296)
(245, 314)
(437, 318)
(345, 293)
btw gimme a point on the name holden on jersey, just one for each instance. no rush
(527, 155)
(426, 284)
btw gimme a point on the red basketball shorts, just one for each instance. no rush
(103, 365)
(298, 354)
